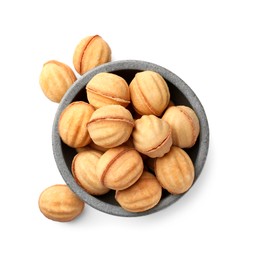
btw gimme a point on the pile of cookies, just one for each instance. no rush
(129, 138)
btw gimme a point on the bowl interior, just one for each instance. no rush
(181, 94)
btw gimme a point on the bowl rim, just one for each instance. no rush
(119, 65)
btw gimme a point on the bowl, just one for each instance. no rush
(181, 94)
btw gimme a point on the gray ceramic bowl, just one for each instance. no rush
(181, 94)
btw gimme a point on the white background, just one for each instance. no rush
(210, 45)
